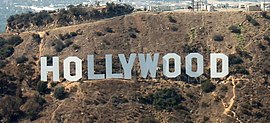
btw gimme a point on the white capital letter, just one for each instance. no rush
(78, 68)
(148, 65)
(91, 70)
(166, 65)
(109, 73)
(127, 66)
(45, 69)
(213, 64)
(189, 58)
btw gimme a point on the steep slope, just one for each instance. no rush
(240, 97)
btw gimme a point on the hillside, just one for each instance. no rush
(242, 96)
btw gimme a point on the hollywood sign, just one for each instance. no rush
(148, 66)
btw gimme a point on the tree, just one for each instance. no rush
(148, 119)
(21, 59)
(164, 99)
(6, 52)
(33, 106)
(14, 40)
(208, 86)
(59, 93)
(42, 87)
(10, 108)
(36, 38)
(218, 37)
(235, 29)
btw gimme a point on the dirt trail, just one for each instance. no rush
(228, 108)
(54, 112)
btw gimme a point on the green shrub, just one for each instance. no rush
(171, 19)
(59, 93)
(76, 47)
(265, 37)
(36, 38)
(208, 86)
(14, 40)
(109, 30)
(262, 47)
(235, 59)
(241, 70)
(61, 36)
(10, 108)
(148, 119)
(252, 21)
(264, 14)
(248, 18)
(132, 35)
(218, 37)
(116, 100)
(33, 106)
(21, 59)
(174, 28)
(235, 29)
(42, 87)
(73, 34)
(164, 99)
(2, 63)
(53, 84)
(224, 88)
(6, 51)
(59, 46)
(98, 33)
(68, 42)
(2, 42)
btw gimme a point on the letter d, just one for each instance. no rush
(213, 65)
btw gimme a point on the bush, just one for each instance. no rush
(68, 42)
(59, 93)
(73, 34)
(2, 42)
(265, 37)
(42, 87)
(76, 47)
(14, 40)
(248, 18)
(98, 33)
(33, 106)
(174, 29)
(36, 38)
(218, 37)
(208, 86)
(109, 30)
(21, 59)
(53, 84)
(59, 46)
(10, 109)
(164, 99)
(264, 14)
(241, 70)
(235, 29)
(261, 46)
(252, 21)
(171, 19)
(6, 51)
(132, 35)
(2, 63)
(235, 59)
(148, 119)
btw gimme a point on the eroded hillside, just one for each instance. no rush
(242, 96)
